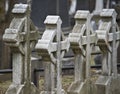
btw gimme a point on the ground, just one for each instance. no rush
(66, 81)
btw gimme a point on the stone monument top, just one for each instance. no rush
(20, 8)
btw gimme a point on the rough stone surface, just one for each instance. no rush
(52, 47)
(81, 40)
(108, 40)
(18, 38)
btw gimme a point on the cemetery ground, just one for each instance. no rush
(66, 81)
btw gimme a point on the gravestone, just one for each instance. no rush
(21, 37)
(108, 39)
(52, 47)
(81, 40)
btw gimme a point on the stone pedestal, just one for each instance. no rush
(108, 40)
(108, 85)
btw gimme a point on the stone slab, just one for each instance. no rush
(108, 85)
(77, 87)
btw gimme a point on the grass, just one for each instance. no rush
(66, 81)
(4, 86)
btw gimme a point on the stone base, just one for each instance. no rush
(78, 87)
(14, 89)
(52, 92)
(45, 92)
(108, 85)
(22, 89)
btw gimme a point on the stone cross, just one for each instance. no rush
(21, 37)
(81, 40)
(108, 39)
(52, 47)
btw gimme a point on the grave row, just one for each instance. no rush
(22, 36)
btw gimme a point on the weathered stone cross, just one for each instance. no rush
(52, 47)
(108, 39)
(21, 37)
(81, 40)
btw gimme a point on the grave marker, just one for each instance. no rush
(52, 47)
(81, 40)
(21, 37)
(108, 40)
